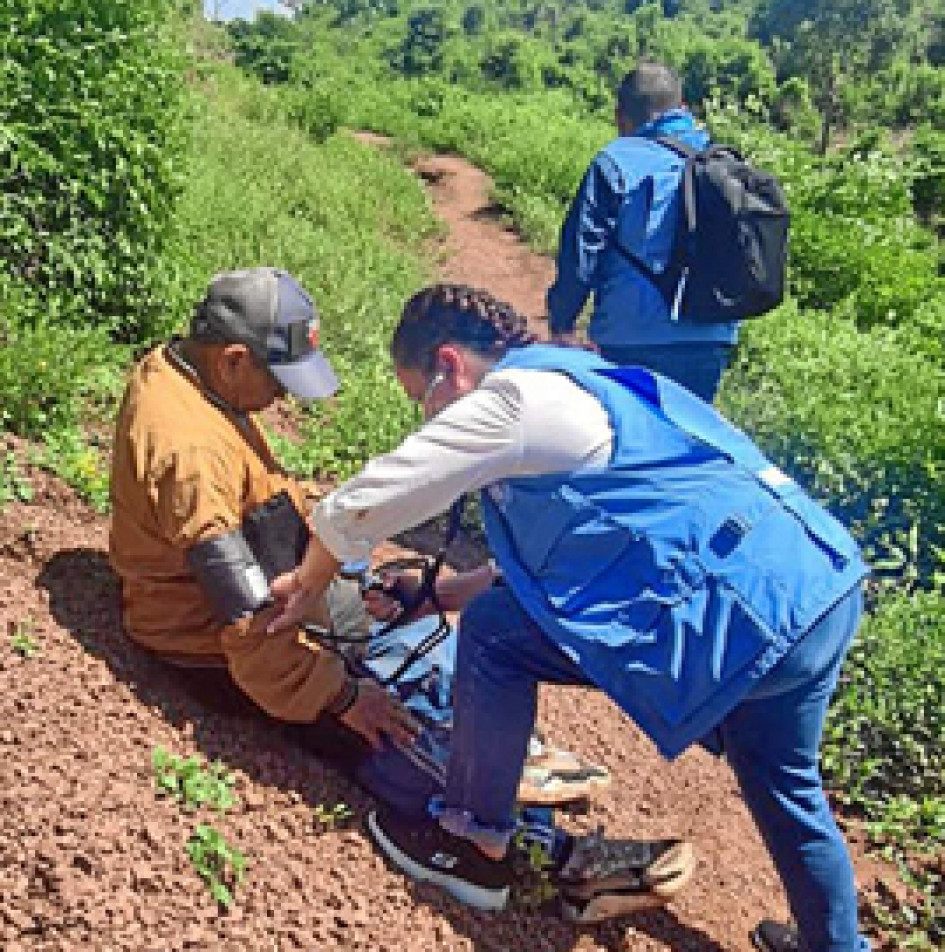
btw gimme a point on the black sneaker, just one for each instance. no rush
(424, 850)
(772, 936)
(603, 878)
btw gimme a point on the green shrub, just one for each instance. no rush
(47, 372)
(317, 109)
(67, 453)
(928, 181)
(92, 135)
(885, 737)
(13, 484)
(857, 417)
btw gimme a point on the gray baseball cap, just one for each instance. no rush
(270, 312)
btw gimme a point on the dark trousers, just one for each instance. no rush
(697, 367)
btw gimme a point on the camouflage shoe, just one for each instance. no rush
(605, 878)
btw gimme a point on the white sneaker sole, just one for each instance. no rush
(543, 787)
(480, 897)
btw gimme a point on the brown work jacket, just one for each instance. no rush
(184, 470)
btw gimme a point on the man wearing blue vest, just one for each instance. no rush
(646, 548)
(626, 208)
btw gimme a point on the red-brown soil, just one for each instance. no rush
(92, 859)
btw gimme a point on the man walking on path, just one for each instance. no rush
(627, 207)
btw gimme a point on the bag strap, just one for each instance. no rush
(688, 177)
(677, 146)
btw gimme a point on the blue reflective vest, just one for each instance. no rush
(679, 575)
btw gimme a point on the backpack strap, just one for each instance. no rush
(677, 146)
(688, 177)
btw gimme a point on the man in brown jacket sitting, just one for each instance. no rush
(190, 468)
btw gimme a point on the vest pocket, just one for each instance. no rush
(697, 653)
(821, 527)
(586, 562)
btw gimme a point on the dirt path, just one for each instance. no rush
(91, 859)
(478, 248)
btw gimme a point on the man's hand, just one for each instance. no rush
(385, 602)
(293, 599)
(295, 591)
(376, 714)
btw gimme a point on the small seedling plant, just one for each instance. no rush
(13, 485)
(193, 782)
(217, 863)
(22, 639)
(328, 817)
(534, 887)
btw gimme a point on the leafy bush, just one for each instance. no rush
(266, 46)
(67, 453)
(47, 371)
(854, 240)
(928, 180)
(874, 450)
(885, 737)
(317, 109)
(92, 135)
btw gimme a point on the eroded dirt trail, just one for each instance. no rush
(91, 859)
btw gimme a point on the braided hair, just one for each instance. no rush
(459, 314)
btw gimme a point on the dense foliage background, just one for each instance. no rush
(136, 159)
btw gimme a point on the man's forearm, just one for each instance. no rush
(567, 295)
(287, 674)
(317, 568)
(457, 591)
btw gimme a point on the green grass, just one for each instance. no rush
(856, 415)
(13, 484)
(885, 741)
(348, 220)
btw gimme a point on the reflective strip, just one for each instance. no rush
(773, 477)
(257, 582)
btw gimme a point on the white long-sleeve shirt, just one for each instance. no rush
(515, 423)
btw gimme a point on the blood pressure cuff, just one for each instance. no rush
(234, 569)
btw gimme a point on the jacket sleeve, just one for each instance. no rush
(196, 496)
(585, 235)
(286, 674)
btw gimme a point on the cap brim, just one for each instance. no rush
(310, 378)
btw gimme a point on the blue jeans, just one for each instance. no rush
(771, 740)
(697, 367)
(409, 778)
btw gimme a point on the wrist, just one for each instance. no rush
(345, 699)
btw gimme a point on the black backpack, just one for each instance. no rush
(729, 252)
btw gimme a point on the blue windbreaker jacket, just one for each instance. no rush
(630, 193)
(678, 576)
